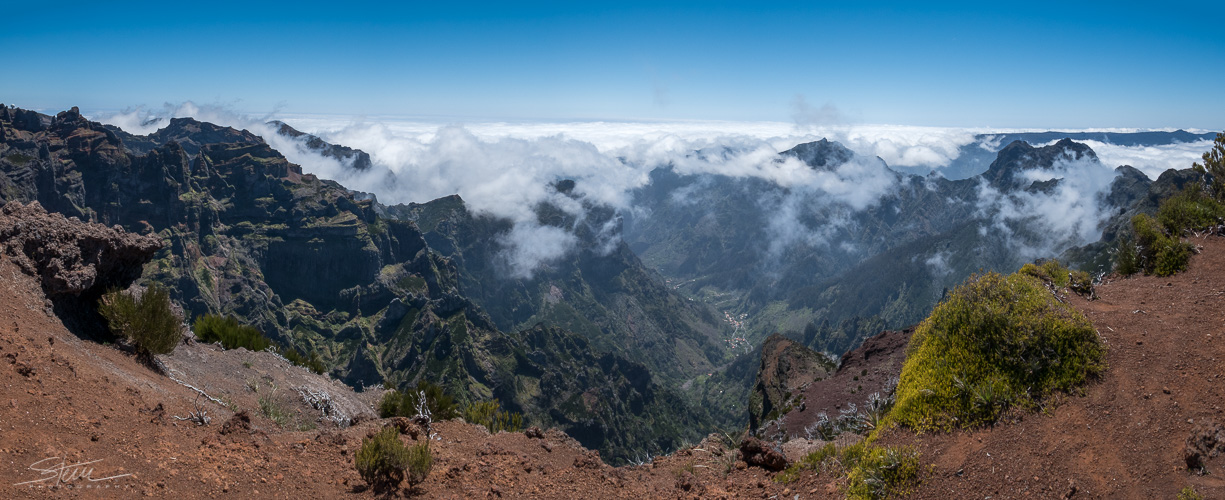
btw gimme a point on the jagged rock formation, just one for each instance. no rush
(354, 158)
(1020, 156)
(822, 154)
(786, 368)
(71, 257)
(871, 369)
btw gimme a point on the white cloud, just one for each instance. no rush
(1152, 160)
(505, 168)
(1040, 223)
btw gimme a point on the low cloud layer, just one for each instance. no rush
(506, 168)
(1152, 160)
(1041, 223)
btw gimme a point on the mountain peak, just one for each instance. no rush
(823, 154)
(1020, 155)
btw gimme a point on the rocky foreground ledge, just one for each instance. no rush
(71, 257)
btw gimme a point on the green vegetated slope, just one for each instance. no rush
(319, 270)
(599, 290)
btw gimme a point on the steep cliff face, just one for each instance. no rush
(787, 367)
(600, 290)
(314, 266)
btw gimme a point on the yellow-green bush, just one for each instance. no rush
(995, 342)
(813, 461)
(1053, 272)
(148, 322)
(490, 415)
(382, 459)
(1189, 493)
(420, 461)
(873, 472)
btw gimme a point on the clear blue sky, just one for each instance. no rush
(1002, 64)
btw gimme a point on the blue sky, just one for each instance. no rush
(1058, 65)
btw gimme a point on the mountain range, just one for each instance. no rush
(646, 336)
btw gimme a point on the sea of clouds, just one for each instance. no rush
(506, 168)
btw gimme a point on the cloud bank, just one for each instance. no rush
(506, 169)
(1043, 222)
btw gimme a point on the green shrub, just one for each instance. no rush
(420, 461)
(490, 415)
(1214, 165)
(272, 408)
(148, 322)
(382, 459)
(1053, 272)
(872, 472)
(880, 471)
(1127, 260)
(1190, 210)
(404, 404)
(310, 362)
(812, 461)
(1159, 254)
(1189, 493)
(226, 330)
(995, 342)
(1161, 249)
(232, 335)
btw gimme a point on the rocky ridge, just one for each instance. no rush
(240, 223)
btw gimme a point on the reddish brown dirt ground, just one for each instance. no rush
(61, 396)
(1124, 437)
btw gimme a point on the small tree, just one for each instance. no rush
(1214, 165)
(147, 322)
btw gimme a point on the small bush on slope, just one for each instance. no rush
(382, 459)
(1051, 271)
(420, 461)
(490, 415)
(995, 342)
(872, 471)
(440, 405)
(1190, 210)
(148, 322)
(232, 335)
(226, 330)
(1159, 253)
(1214, 165)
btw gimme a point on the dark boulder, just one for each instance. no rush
(759, 453)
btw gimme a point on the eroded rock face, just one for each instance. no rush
(71, 257)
